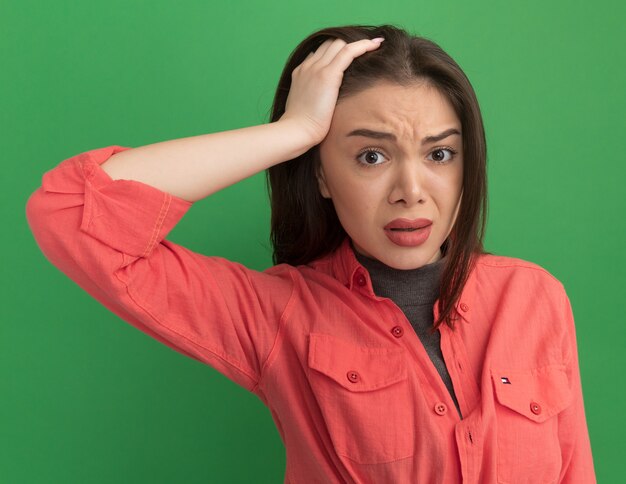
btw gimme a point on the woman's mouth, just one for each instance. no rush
(407, 232)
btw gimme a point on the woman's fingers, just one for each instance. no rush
(331, 52)
(330, 48)
(316, 82)
(349, 52)
(319, 52)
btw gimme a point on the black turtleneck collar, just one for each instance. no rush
(405, 287)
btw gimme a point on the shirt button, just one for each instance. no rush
(353, 376)
(464, 307)
(360, 280)
(535, 408)
(440, 408)
(397, 331)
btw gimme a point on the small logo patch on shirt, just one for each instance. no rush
(505, 380)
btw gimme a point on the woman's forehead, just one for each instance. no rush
(413, 112)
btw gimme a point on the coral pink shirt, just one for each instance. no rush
(348, 383)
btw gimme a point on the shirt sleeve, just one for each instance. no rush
(577, 460)
(108, 236)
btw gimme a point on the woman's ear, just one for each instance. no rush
(321, 181)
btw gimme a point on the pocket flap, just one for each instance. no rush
(536, 393)
(355, 367)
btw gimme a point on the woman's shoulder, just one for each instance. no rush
(508, 268)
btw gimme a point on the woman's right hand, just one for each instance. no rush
(315, 84)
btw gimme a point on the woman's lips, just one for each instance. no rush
(405, 223)
(408, 232)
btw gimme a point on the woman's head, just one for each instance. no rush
(373, 179)
(408, 87)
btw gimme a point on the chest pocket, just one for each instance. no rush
(364, 396)
(528, 402)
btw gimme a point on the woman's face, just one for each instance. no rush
(373, 179)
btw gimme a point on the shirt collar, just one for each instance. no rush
(344, 266)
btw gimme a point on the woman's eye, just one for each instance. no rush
(370, 157)
(439, 155)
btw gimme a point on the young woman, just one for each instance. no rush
(387, 344)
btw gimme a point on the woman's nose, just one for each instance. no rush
(407, 185)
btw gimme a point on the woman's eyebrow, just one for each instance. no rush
(383, 135)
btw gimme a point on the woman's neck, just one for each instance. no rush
(412, 286)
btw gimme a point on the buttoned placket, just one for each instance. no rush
(400, 327)
(468, 430)
(438, 398)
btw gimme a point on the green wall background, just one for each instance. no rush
(86, 398)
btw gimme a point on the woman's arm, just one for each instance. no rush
(577, 460)
(108, 236)
(101, 217)
(196, 167)
(193, 168)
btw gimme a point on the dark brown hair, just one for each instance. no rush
(305, 226)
